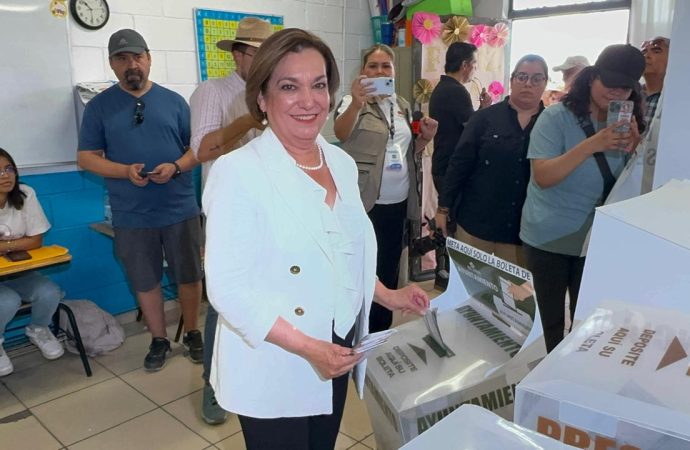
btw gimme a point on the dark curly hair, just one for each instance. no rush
(579, 97)
(15, 197)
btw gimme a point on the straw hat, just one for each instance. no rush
(250, 31)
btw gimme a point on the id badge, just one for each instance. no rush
(393, 159)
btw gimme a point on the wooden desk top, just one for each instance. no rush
(41, 257)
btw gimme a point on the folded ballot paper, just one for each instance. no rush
(620, 380)
(478, 340)
(373, 340)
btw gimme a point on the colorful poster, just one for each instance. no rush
(213, 26)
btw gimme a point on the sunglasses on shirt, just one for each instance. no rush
(139, 112)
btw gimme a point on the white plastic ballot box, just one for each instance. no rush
(619, 381)
(475, 428)
(639, 252)
(490, 335)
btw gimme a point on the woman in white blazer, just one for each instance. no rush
(290, 257)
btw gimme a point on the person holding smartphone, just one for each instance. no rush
(376, 131)
(22, 225)
(575, 159)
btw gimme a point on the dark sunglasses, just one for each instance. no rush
(139, 112)
(535, 78)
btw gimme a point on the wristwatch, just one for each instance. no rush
(178, 171)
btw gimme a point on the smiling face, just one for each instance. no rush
(296, 99)
(379, 64)
(131, 69)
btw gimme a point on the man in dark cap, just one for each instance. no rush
(135, 134)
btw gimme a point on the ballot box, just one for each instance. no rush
(476, 428)
(620, 380)
(481, 337)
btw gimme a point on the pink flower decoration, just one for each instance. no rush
(496, 89)
(478, 35)
(426, 27)
(497, 35)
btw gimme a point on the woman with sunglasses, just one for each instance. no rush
(484, 187)
(22, 225)
(376, 131)
(575, 160)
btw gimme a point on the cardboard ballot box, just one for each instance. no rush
(639, 252)
(620, 380)
(476, 428)
(483, 340)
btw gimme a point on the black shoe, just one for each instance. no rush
(195, 346)
(155, 360)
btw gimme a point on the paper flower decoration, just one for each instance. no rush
(478, 35)
(456, 29)
(496, 89)
(497, 35)
(426, 27)
(422, 90)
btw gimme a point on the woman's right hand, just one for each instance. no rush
(361, 92)
(610, 139)
(331, 360)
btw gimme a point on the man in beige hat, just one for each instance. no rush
(220, 123)
(570, 68)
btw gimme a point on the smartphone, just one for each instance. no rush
(144, 174)
(382, 85)
(620, 110)
(18, 255)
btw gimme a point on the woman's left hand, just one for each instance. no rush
(427, 128)
(410, 299)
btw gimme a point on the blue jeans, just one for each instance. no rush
(209, 340)
(43, 294)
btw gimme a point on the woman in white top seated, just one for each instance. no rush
(22, 225)
(290, 257)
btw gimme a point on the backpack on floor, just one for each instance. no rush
(100, 331)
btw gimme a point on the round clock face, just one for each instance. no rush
(90, 14)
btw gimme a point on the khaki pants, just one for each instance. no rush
(509, 252)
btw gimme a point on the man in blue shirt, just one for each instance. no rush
(136, 135)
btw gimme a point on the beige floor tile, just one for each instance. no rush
(154, 430)
(177, 379)
(344, 442)
(54, 379)
(188, 411)
(356, 423)
(370, 441)
(9, 404)
(359, 447)
(234, 442)
(26, 433)
(28, 360)
(82, 414)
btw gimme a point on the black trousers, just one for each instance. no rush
(301, 433)
(553, 274)
(389, 226)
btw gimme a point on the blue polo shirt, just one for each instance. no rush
(557, 219)
(163, 136)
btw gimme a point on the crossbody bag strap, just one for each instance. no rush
(602, 163)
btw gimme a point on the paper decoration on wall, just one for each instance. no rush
(496, 89)
(426, 27)
(422, 91)
(497, 36)
(478, 35)
(456, 29)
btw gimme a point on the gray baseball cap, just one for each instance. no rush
(126, 40)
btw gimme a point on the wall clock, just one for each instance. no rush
(90, 14)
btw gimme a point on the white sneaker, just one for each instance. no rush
(6, 366)
(43, 338)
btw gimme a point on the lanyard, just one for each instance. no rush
(391, 126)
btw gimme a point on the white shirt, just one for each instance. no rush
(28, 221)
(215, 104)
(395, 180)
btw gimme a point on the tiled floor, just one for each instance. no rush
(53, 405)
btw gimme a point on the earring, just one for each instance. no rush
(264, 121)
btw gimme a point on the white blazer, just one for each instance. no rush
(267, 256)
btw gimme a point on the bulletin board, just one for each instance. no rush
(213, 26)
(38, 121)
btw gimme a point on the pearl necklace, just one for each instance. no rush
(316, 167)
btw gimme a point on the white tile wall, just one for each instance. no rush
(167, 26)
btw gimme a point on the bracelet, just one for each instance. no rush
(178, 171)
(10, 245)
